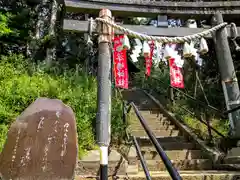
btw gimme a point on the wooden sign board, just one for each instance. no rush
(41, 144)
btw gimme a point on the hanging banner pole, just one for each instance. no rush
(104, 91)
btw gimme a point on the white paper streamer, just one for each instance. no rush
(126, 43)
(178, 61)
(199, 60)
(146, 49)
(187, 50)
(157, 53)
(191, 23)
(203, 46)
(168, 52)
(137, 49)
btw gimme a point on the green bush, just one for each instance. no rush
(4, 29)
(19, 89)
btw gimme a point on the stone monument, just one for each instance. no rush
(41, 144)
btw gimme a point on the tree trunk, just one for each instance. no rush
(51, 51)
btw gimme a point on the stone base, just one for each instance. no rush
(89, 165)
(233, 156)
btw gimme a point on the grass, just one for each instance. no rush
(221, 125)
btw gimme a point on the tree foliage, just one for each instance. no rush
(29, 37)
(4, 29)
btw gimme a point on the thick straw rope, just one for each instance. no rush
(163, 39)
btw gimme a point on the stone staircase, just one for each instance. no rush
(185, 154)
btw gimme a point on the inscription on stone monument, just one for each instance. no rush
(41, 143)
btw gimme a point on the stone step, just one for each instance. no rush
(227, 167)
(174, 146)
(188, 175)
(193, 164)
(150, 153)
(151, 123)
(89, 163)
(154, 113)
(144, 104)
(162, 133)
(91, 168)
(152, 127)
(145, 141)
(154, 120)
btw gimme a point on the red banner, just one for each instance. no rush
(120, 63)
(148, 60)
(176, 76)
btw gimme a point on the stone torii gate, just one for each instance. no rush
(217, 10)
(211, 10)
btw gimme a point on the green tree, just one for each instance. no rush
(4, 29)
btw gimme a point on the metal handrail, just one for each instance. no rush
(194, 99)
(202, 104)
(232, 110)
(171, 169)
(126, 109)
(143, 163)
(205, 123)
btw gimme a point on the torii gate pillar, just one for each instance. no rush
(230, 86)
(228, 76)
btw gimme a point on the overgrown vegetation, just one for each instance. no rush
(4, 29)
(25, 76)
(186, 109)
(22, 82)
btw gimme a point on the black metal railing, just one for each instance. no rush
(172, 171)
(206, 106)
(169, 166)
(143, 163)
(231, 110)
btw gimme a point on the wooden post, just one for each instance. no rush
(228, 76)
(87, 38)
(172, 95)
(104, 91)
(210, 137)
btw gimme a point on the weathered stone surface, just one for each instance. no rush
(42, 143)
(233, 156)
(89, 164)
